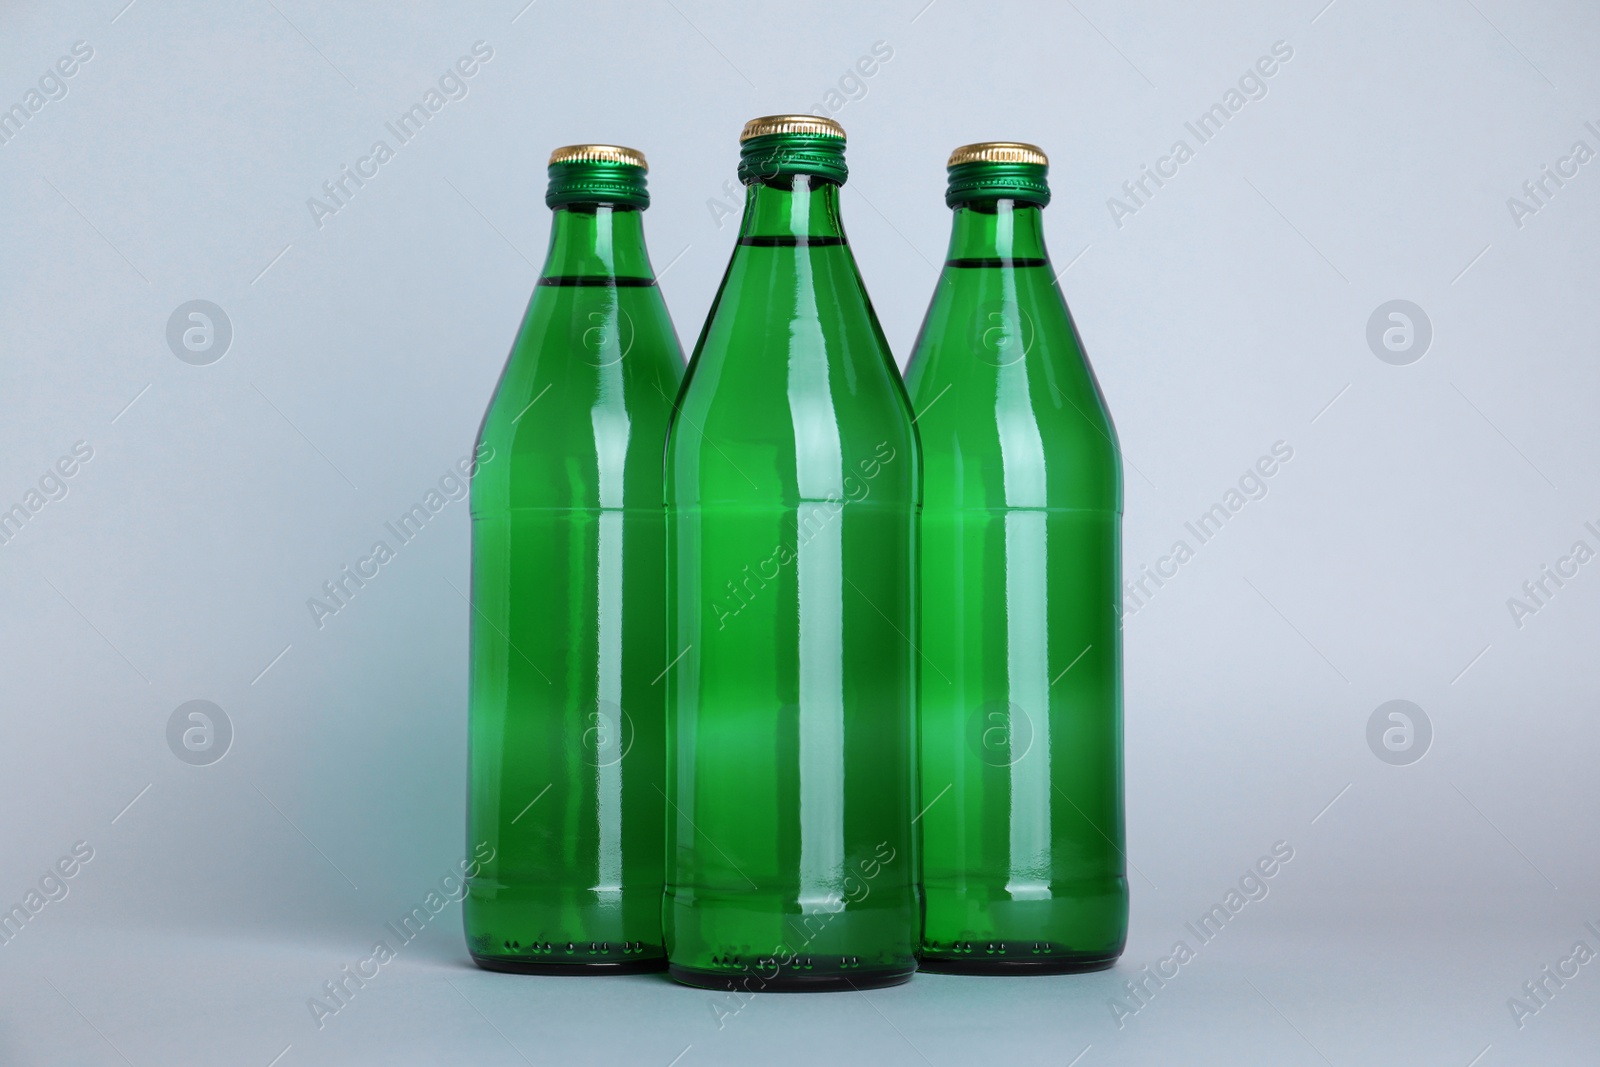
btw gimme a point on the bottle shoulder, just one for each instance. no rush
(581, 409)
(775, 446)
(792, 391)
(1009, 410)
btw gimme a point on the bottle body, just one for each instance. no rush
(567, 741)
(1021, 703)
(793, 482)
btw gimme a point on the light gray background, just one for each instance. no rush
(1228, 313)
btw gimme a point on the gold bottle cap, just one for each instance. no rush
(599, 153)
(998, 152)
(812, 124)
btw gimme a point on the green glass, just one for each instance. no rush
(793, 482)
(1021, 700)
(567, 757)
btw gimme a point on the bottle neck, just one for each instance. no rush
(792, 209)
(998, 233)
(592, 240)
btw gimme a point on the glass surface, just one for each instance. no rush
(1021, 700)
(568, 615)
(793, 481)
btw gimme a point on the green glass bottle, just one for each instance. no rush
(793, 482)
(567, 757)
(1020, 718)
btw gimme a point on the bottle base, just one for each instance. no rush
(514, 965)
(789, 983)
(988, 966)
